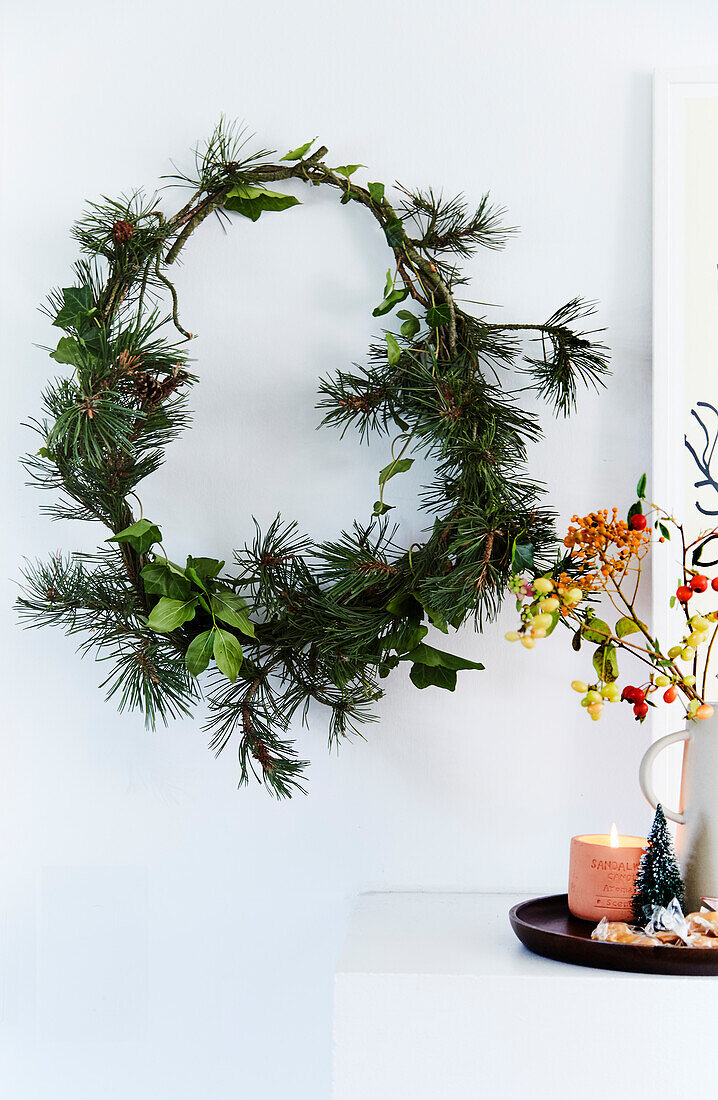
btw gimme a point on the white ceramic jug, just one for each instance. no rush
(697, 834)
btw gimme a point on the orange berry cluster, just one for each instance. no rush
(603, 544)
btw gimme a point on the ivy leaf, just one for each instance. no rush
(206, 568)
(77, 307)
(160, 580)
(251, 202)
(67, 351)
(426, 655)
(169, 614)
(376, 190)
(398, 466)
(522, 556)
(438, 315)
(232, 609)
(227, 653)
(199, 652)
(140, 535)
(423, 676)
(641, 487)
(300, 151)
(438, 620)
(393, 351)
(605, 663)
(394, 232)
(404, 605)
(625, 626)
(595, 630)
(348, 170)
(411, 324)
(392, 299)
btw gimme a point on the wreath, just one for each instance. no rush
(293, 621)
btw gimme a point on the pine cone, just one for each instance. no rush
(122, 232)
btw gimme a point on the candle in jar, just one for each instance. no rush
(602, 874)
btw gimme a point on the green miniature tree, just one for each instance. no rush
(658, 880)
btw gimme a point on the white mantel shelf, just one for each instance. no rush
(435, 999)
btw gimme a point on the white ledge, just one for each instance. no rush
(435, 999)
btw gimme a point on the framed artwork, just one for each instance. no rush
(685, 330)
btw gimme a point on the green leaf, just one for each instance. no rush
(555, 617)
(625, 626)
(300, 151)
(398, 466)
(438, 620)
(426, 655)
(67, 351)
(522, 556)
(635, 510)
(376, 190)
(392, 299)
(140, 535)
(664, 531)
(160, 580)
(169, 614)
(423, 676)
(438, 315)
(232, 609)
(199, 652)
(595, 630)
(576, 640)
(411, 324)
(227, 653)
(641, 487)
(393, 351)
(251, 202)
(380, 508)
(405, 605)
(605, 663)
(206, 568)
(348, 170)
(76, 309)
(394, 232)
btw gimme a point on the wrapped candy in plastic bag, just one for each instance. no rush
(668, 924)
(619, 932)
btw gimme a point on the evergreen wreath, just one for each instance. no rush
(294, 621)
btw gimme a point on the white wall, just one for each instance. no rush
(161, 933)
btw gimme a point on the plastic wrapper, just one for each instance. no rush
(618, 932)
(666, 927)
(669, 924)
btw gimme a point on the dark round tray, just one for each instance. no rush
(546, 927)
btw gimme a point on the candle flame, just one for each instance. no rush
(614, 836)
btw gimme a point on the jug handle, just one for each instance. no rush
(644, 772)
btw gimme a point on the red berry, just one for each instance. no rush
(669, 695)
(684, 593)
(699, 583)
(714, 584)
(639, 696)
(639, 521)
(627, 693)
(640, 710)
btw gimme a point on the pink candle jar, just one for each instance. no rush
(602, 873)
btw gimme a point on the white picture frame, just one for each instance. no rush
(685, 300)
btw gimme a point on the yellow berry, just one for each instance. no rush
(528, 641)
(674, 651)
(688, 653)
(662, 681)
(551, 604)
(578, 685)
(542, 620)
(585, 702)
(689, 680)
(594, 697)
(610, 692)
(595, 710)
(699, 622)
(695, 638)
(512, 636)
(574, 595)
(538, 632)
(543, 585)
